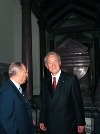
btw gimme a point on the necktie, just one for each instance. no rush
(20, 90)
(24, 97)
(54, 83)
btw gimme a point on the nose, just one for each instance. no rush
(53, 64)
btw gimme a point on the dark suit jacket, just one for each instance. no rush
(62, 111)
(15, 113)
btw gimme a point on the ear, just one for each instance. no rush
(60, 63)
(46, 66)
(18, 74)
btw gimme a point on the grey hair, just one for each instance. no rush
(51, 53)
(14, 68)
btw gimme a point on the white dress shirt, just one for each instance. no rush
(57, 77)
(17, 85)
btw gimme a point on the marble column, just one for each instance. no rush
(43, 71)
(27, 47)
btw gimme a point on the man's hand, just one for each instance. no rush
(42, 127)
(81, 129)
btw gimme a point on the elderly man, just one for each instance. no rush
(62, 110)
(15, 109)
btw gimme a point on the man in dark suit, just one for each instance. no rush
(62, 110)
(15, 110)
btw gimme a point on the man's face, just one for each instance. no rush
(23, 75)
(53, 64)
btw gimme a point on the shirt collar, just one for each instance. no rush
(16, 84)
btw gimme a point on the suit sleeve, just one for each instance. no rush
(78, 102)
(7, 113)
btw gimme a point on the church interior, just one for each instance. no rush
(72, 29)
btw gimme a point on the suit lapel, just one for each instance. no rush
(50, 86)
(19, 94)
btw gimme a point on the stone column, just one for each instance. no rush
(42, 26)
(27, 46)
